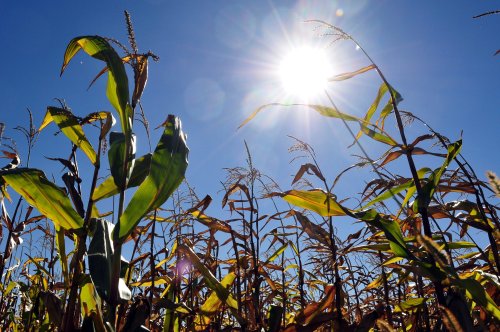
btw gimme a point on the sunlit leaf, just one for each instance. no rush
(44, 195)
(108, 187)
(390, 228)
(168, 165)
(476, 292)
(276, 254)
(314, 200)
(91, 305)
(389, 193)
(70, 126)
(212, 304)
(117, 89)
(212, 282)
(410, 304)
(373, 107)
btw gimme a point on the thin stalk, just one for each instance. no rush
(69, 319)
(388, 310)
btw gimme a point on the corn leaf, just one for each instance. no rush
(314, 200)
(476, 292)
(117, 88)
(100, 257)
(390, 228)
(212, 304)
(44, 195)
(69, 125)
(108, 187)
(61, 252)
(346, 76)
(168, 165)
(430, 187)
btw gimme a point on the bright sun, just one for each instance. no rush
(304, 72)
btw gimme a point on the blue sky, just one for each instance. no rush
(218, 61)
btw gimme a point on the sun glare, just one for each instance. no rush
(304, 72)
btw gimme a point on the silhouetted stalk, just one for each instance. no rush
(388, 310)
(69, 319)
(152, 262)
(254, 245)
(354, 287)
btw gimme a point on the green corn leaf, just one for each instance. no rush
(386, 139)
(389, 193)
(117, 89)
(430, 187)
(44, 195)
(116, 157)
(212, 304)
(108, 187)
(390, 228)
(410, 304)
(168, 166)
(61, 252)
(222, 292)
(171, 319)
(276, 254)
(69, 125)
(100, 257)
(373, 107)
(476, 292)
(314, 200)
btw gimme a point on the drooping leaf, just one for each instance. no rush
(140, 78)
(312, 230)
(70, 126)
(212, 304)
(44, 195)
(346, 76)
(222, 292)
(305, 169)
(117, 89)
(313, 309)
(168, 165)
(476, 292)
(108, 187)
(390, 228)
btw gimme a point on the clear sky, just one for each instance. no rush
(219, 61)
